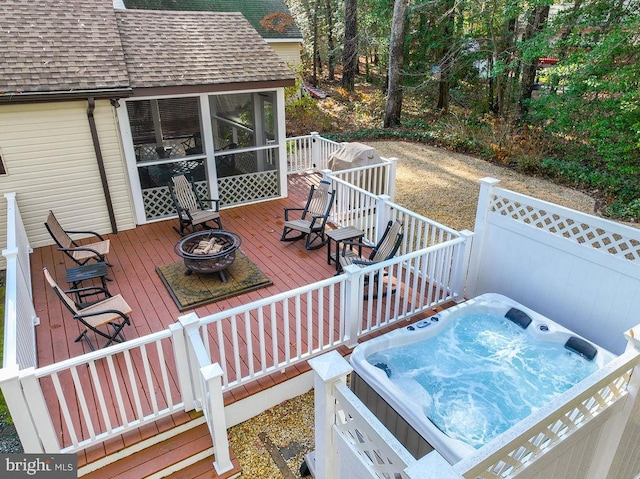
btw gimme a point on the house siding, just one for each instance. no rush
(51, 164)
(288, 52)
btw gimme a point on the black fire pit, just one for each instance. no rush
(207, 252)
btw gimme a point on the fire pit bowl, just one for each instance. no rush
(210, 251)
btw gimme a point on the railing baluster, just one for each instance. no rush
(100, 396)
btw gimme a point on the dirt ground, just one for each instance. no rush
(444, 186)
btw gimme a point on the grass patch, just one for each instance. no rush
(4, 411)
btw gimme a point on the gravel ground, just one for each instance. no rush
(444, 186)
(9, 441)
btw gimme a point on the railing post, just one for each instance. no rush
(391, 177)
(383, 215)
(315, 150)
(329, 370)
(461, 265)
(180, 353)
(482, 213)
(352, 307)
(39, 412)
(19, 409)
(214, 412)
(197, 355)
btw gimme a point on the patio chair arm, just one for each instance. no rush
(80, 315)
(86, 233)
(83, 248)
(286, 212)
(212, 202)
(363, 262)
(353, 244)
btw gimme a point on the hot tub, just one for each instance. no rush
(464, 376)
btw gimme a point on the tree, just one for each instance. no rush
(393, 109)
(330, 44)
(350, 48)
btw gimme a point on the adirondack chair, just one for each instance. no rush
(191, 209)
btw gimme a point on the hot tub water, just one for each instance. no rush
(481, 375)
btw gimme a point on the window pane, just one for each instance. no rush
(232, 121)
(165, 128)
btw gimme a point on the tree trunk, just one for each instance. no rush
(446, 58)
(330, 44)
(393, 108)
(350, 48)
(536, 22)
(316, 52)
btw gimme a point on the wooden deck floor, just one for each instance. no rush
(136, 253)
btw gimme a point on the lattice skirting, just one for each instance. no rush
(233, 190)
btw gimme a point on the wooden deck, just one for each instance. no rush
(135, 254)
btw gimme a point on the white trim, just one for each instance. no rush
(284, 40)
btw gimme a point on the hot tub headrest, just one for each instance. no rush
(521, 318)
(581, 347)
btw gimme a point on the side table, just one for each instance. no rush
(348, 233)
(77, 275)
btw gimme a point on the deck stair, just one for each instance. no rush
(187, 454)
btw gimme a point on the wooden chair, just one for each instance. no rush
(111, 311)
(385, 249)
(192, 211)
(313, 217)
(79, 253)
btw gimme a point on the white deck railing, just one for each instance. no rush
(247, 342)
(309, 152)
(20, 314)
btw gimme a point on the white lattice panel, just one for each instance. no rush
(573, 230)
(547, 433)
(244, 188)
(158, 202)
(367, 438)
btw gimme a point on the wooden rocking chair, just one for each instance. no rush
(313, 219)
(192, 211)
(385, 249)
(111, 311)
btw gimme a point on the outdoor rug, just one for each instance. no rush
(191, 291)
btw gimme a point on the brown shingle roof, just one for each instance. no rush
(57, 46)
(165, 48)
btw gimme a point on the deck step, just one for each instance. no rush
(186, 455)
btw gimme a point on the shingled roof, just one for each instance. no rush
(64, 48)
(195, 49)
(45, 48)
(271, 18)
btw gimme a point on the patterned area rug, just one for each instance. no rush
(191, 291)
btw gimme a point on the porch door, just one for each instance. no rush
(244, 127)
